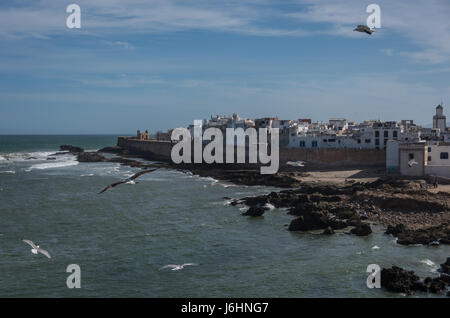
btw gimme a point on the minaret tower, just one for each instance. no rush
(439, 120)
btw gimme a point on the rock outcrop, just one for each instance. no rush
(398, 280)
(90, 157)
(72, 149)
(427, 236)
(255, 211)
(362, 229)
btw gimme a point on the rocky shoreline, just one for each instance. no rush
(325, 207)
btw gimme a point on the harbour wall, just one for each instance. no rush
(160, 150)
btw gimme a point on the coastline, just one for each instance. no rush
(359, 193)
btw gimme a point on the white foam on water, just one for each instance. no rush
(270, 206)
(376, 247)
(87, 175)
(58, 164)
(9, 171)
(209, 179)
(428, 262)
(29, 156)
(433, 267)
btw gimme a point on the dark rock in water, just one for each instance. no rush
(31, 158)
(328, 231)
(395, 230)
(234, 202)
(448, 293)
(114, 149)
(255, 211)
(71, 149)
(445, 268)
(51, 158)
(437, 285)
(60, 153)
(309, 222)
(90, 157)
(398, 280)
(362, 229)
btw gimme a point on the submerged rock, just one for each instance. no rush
(255, 211)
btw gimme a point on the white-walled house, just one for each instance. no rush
(431, 159)
(438, 160)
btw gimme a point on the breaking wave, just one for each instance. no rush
(59, 164)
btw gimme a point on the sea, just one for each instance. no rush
(122, 239)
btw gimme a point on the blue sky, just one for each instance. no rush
(160, 64)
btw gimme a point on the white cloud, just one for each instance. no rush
(426, 24)
(121, 44)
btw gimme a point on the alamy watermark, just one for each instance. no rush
(256, 142)
(74, 19)
(374, 19)
(74, 279)
(374, 279)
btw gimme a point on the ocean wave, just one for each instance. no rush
(433, 267)
(27, 156)
(59, 164)
(87, 175)
(8, 171)
(428, 262)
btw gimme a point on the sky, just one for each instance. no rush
(158, 64)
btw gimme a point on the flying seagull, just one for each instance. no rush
(130, 179)
(178, 267)
(364, 28)
(35, 248)
(434, 243)
(412, 162)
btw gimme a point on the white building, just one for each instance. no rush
(438, 161)
(430, 159)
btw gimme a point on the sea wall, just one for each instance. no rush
(160, 150)
(335, 157)
(153, 149)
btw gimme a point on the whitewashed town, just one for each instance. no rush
(404, 142)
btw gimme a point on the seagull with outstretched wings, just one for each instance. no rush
(179, 267)
(412, 162)
(130, 179)
(35, 248)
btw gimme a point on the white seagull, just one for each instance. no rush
(35, 248)
(412, 162)
(179, 267)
